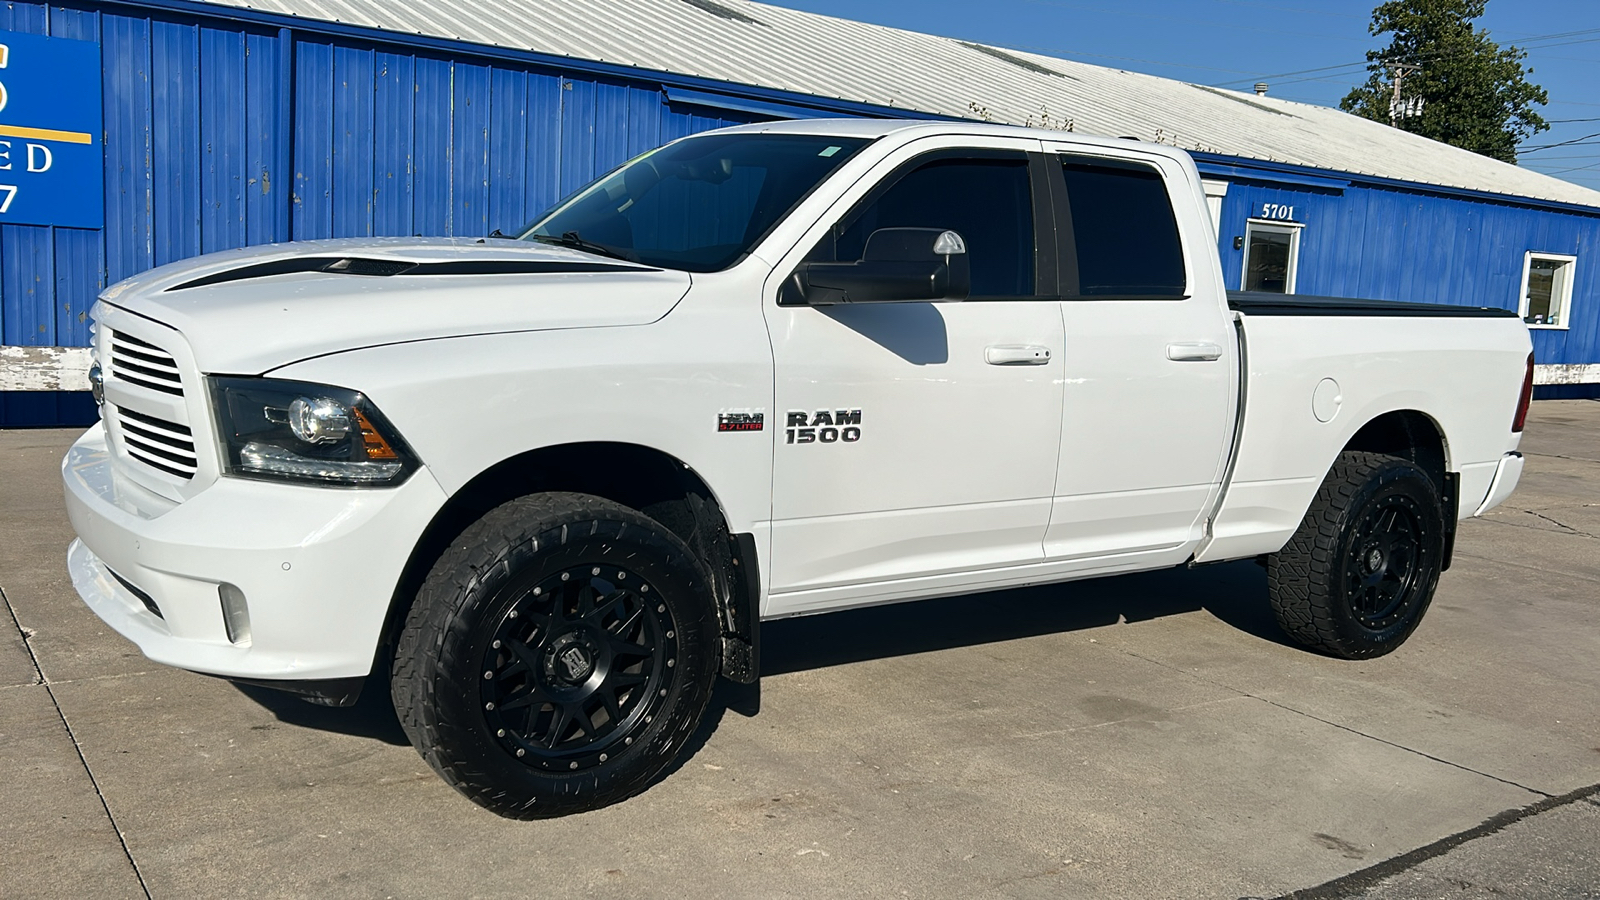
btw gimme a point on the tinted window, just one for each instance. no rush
(699, 204)
(1267, 261)
(1123, 231)
(986, 201)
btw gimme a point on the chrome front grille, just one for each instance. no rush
(144, 364)
(158, 443)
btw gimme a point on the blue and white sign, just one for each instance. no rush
(51, 170)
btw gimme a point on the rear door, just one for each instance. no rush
(1150, 366)
(919, 439)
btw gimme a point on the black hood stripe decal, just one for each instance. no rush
(384, 268)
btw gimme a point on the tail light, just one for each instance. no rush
(1523, 401)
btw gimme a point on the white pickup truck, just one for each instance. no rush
(547, 488)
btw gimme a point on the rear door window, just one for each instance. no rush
(1118, 237)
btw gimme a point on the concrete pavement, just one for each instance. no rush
(1144, 736)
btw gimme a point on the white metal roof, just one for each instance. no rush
(768, 46)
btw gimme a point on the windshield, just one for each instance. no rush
(699, 204)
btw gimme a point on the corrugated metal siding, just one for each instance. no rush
(1400, 245)
(791, 50)
(384, 142)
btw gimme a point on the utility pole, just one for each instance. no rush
(1401, 106)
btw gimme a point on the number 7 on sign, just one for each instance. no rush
(10, 191)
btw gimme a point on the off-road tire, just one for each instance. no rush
(483, 596)
(1345, 585)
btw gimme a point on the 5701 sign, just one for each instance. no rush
(51, 167)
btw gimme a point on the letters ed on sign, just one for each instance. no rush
(51, 167)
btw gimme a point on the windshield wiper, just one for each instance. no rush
(575, 241)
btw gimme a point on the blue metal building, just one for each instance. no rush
(221, 126)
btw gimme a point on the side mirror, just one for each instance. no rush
(898, 265)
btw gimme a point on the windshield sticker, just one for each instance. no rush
(830, 151)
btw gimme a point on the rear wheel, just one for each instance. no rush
(558, 656)
(1357, 576)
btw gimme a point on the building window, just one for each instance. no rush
(1546, 289)
(1271, 256)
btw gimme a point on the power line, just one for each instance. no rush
(1573, 169)
(1586, 139)
(1363, 64)
(1426, 56)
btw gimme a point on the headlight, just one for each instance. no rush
(295, 431)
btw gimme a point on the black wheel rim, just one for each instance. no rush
(579, 663)
(1385, 561)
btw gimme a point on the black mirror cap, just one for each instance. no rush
(898, 265)
(882, 281)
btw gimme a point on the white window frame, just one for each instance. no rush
(1290, 228)
(1561, 300)
(1215, 191)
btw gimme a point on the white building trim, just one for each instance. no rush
(44, 368)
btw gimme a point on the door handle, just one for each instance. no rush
(1197, 351)
(1016, 355)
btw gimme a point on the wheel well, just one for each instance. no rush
(641, 478)
(1415, 436)
(1409, 434)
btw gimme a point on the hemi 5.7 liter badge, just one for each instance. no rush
(741, 420)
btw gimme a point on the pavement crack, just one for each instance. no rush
(1516, 565)
(76, 746)
(1372, 737)
(1560, 456)
(107, 677)
(1357, 883)
(1565, 528)
(1355, 731)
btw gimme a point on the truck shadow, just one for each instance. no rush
(1233, 592)
(372, 716)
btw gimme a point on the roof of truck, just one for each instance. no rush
(747, 43)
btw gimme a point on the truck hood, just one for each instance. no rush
(252, 310)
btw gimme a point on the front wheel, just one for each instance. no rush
(1360, 571)
(558, 656)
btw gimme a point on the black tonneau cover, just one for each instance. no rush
(1257, 303)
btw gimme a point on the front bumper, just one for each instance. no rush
(316, 567)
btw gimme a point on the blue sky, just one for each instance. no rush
(1235, 43)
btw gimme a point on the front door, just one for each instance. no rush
(919, 439)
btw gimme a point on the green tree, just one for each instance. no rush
(1474, 93)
